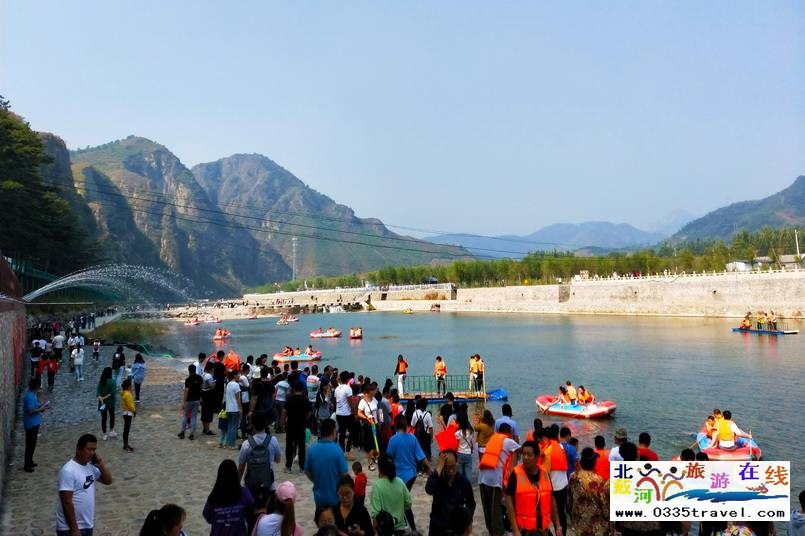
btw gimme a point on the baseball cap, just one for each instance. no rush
(620, 433)
(286, 491)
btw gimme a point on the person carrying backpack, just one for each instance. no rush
(422, 423)
(258, 455)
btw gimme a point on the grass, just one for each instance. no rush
(130, 331)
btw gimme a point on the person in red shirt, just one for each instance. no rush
(643, 450)
(360, 483)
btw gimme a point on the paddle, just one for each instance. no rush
(374, 436)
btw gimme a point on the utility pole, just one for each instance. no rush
(796, 239)
(293, 242)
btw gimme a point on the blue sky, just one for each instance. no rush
(485, 117)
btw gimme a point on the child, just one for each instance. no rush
(360, 483)
(96, 349)
(129, 410)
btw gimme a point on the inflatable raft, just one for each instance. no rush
(767, 331)
(597, 410)
(356, 333)
(223, 336)
(747, 449)
(192, 323)
(319, 334)
(282, 358)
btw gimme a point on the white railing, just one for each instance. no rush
(675, 275)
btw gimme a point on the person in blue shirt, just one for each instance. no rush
(507, 418)
(325, 465)
(571, 452)
(32, 419)
(406, 453)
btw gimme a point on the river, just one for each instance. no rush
(666, 374)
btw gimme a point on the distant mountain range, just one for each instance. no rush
(560, 236)
(786, 208)
(226, 225)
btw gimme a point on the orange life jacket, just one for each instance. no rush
(396, 409)
(440, 369)
(532, 504)
(557, 455)
(402, 367)
(491, 456)
(602, 463)
(530, 436)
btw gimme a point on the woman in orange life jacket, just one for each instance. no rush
(529, 500)
(562, 397)
(585, 397)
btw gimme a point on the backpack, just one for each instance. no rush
(258, 464)
(419, 428)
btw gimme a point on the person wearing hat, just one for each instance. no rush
(621, 437)
(281, 518)
(588, 498)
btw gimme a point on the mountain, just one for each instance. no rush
(783, 209)
(149, 209)
(560, 236)
(276, 206)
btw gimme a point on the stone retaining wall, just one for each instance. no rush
(12, 363)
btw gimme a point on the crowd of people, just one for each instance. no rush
(571, 395)
(764, 321)
(528, 481)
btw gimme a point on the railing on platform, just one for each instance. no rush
(427, 385)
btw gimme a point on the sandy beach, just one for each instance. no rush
(162, 469)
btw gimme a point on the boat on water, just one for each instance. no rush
(253, 317)
(408, 311)
(212, 321)
(292, 318)
(356, 333)
(766, 331)
(222, 335)
(283, 358)
(747, 449)
(191, 323)
(322, 334)
(282, 322)
(547, 404)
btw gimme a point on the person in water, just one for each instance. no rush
(728, 433)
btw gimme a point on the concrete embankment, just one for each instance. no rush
(728, 295)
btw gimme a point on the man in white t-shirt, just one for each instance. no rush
(75, 512)
(233, 409)
(78, 362)
(343, 413)
(58, 345)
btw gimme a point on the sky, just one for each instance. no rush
(481, 117)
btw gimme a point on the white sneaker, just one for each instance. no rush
(112, 433)
(105, 437)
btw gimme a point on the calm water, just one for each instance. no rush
(665, 374)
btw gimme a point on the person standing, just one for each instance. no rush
(343, 413)
(440, 373)
(450, 491)
(96, 350)
(36, 355)
(207, 399)
(129, 410)
(233, 408)
(229, 504)
(258, 455)
(118, 365)
(58, 345)
(52, 368)
(78, 362)
(467, 445)
(556, 465)
(588, 498)
(138, 370)
(75, 511)
(32, 411)
(389, 494)
(369, 416)
(401, 370)
(297, 408)
(493, 474)
(531, 506)
(507, 418)
(351, 516)
(325, 466)
(190, 402)
(422, 423)
(106, 390)
(406, 454)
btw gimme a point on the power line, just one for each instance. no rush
(441, 247)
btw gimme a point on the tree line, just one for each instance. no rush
(548, 267)
(38, 226)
